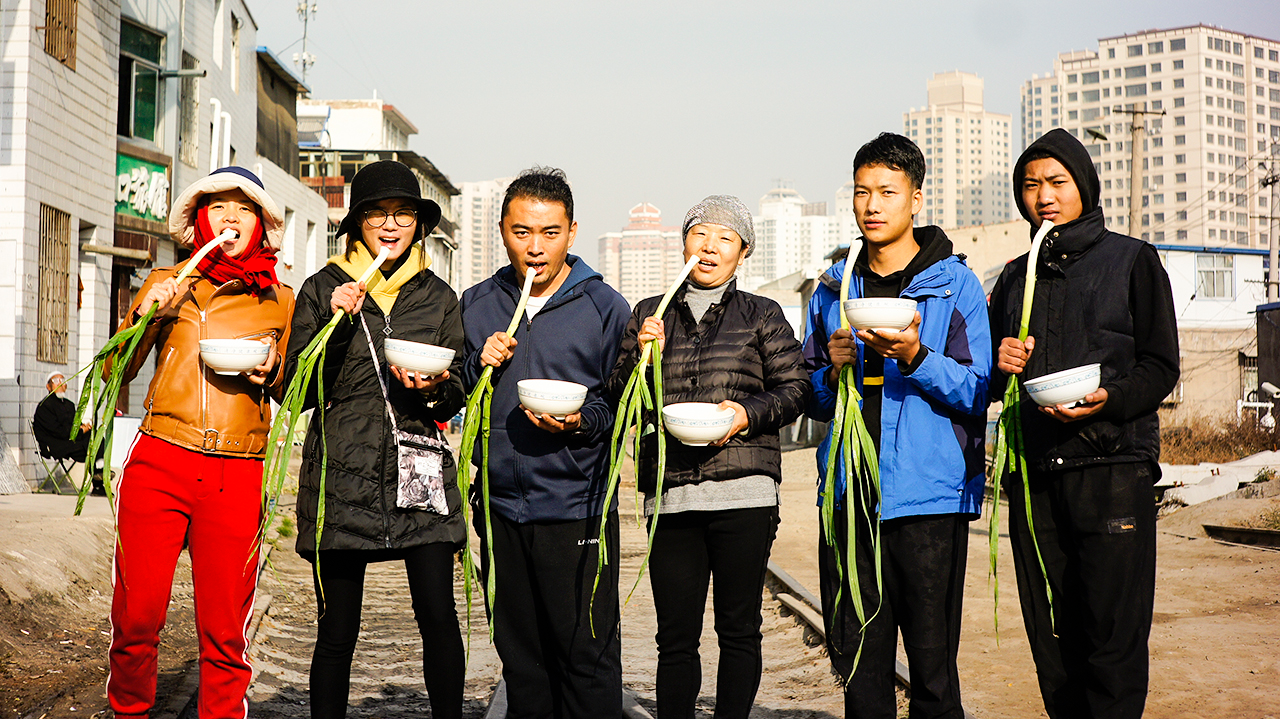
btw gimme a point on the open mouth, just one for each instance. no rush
(707, 264)
(537, 267)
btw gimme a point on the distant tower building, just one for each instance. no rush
(1213, 98)
(478, 209)
(644, 258)
(791, 236)
(967, 152)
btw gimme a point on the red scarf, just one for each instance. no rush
(255, 266)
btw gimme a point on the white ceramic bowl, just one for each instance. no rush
(880, 313)
(230, 357)
(1066, 387)
(427, 360)
(697, 423)
(551, 396)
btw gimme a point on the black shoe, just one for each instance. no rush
(98, 490)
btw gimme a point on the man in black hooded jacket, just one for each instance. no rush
(1099, 297)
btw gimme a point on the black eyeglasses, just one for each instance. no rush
(378, 218)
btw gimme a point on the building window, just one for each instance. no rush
(1135, 71)
(54, 285)
(1155, 47)
(189, 113)
(1178, 43)
(1135, 50)
(140, 87)
(60, 31)
(1135, 90)
(1215, 276)
(1089, 78)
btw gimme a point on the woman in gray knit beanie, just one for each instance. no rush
(719, 503)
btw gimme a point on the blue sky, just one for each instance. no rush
(667, 102)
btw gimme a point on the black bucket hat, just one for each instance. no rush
(381, 181)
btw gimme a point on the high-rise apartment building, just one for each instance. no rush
(967, 151)
(1211, 124)
(644, 258)
(792, 235)
(478, 209)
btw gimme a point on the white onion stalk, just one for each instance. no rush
(1009, 453)
(476, 423)
(637, 396)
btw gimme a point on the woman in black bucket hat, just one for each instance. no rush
(368, 404)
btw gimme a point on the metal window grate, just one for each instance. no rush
(54, 285)
(60, 31)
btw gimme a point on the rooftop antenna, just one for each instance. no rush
(305, 59)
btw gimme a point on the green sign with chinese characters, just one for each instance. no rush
(142, 188)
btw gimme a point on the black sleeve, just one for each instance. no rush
(628, 354)
(310, 314)
(786, 383)
(1155, 334)
(448, 398)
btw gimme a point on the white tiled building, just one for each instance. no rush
(105, 122)
(642, 259)
(967, 151)
(1214, 96)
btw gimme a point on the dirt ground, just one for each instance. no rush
(1214, 643)
(1215, 638)
(55, 598)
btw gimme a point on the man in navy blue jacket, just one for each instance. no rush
(547, 476)
(924, 395)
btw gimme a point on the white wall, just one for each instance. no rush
(57, 149)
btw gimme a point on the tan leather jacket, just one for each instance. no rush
(190, 405)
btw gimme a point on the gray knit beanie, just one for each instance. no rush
(726, 211)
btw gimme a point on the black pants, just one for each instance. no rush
(923, 563)
(552, 664)
(430, 571)
(688, 549)
(1096, 529)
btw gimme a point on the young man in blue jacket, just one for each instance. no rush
(546, 476)
(924, 395)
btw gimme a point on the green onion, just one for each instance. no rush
(636, 397)
(850, 438)
(111, 361)
(280, 438)
(1009, 455)
(476, 422)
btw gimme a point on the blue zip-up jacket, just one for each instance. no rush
(933, 420)
(535, 475)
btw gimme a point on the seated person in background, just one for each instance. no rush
(52, 426)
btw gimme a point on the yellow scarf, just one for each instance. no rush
(382, 289)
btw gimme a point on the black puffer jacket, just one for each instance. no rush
(742, 350)
(361, 481)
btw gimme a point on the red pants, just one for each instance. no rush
(167, 493)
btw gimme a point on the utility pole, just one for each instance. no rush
(1137, 124)
(1272, 180)
(305, 59)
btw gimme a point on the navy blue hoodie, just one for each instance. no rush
(535, 475)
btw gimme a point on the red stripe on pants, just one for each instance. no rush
(167, 493)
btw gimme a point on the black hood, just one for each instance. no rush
(1065, 148)
(934, 245)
